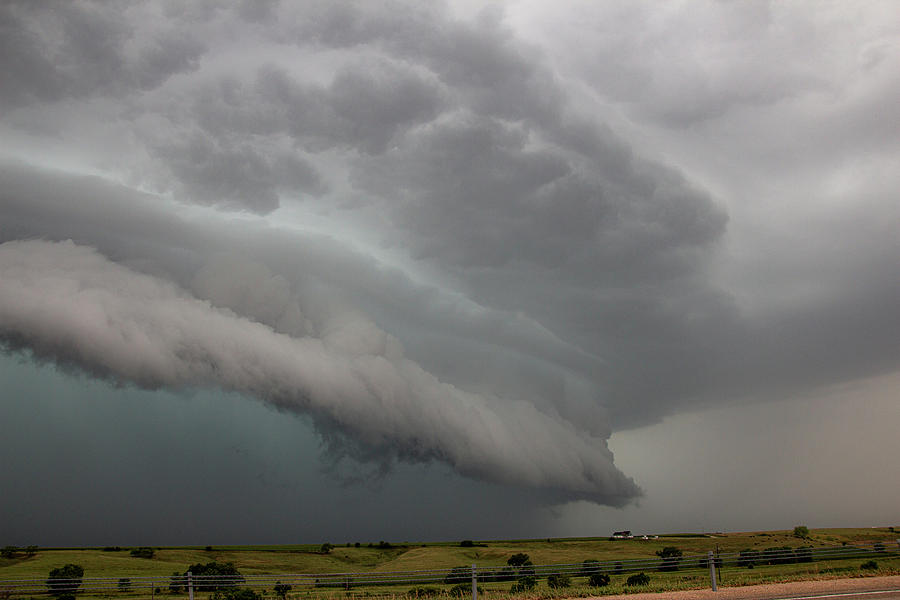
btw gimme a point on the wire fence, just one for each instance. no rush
(189, 583)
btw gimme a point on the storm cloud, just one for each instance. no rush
(487, 239)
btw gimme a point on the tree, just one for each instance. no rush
(801, 531)
(517, 560)
(30, 551)
(9, 551)
(64, 581)
(671, 556)
(326, 548)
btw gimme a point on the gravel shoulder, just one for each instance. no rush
(771, 591)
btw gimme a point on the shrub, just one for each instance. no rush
(208, 548)
(226, 576)
(589, 567)
(463, 589)
(326, 548)
(112, 548)
(143, 552)
(124, 584)
(458, 575)
(176, 582)
(497, 574)
(671, 557)
(804, 555)
(748, 558)
(424, 592)
(869, 565)
(637, 579)
(63, 582)
(524, 584)
(9, 551)
(619, 569)
(559, 580)
(281, 589)
(467, 543)
(801, 531)
(879, 547)
(778, 555)
(30, 551)
(235, 594)
(598, 580)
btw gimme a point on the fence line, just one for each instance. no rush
(457, 575)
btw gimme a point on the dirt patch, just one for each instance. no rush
(770, 591)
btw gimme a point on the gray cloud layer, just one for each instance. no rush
(440, 183)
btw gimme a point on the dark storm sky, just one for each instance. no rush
(326, 270)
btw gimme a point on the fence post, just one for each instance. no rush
(712, 571)
(190, 585)
(474, 584)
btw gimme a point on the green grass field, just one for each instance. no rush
(261, 560)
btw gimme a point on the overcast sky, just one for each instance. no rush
(351, 271)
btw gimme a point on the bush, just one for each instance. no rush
(424, 592)
(804, 555)
(589, 567)
(497, 574)
(778, 555)
(524, 584)
(143, 552)
(671, 557)
(124, 584)
(879, 547)
(801, 531)
(326, 548)
(869, 565)
(281, 589)
(619, 569)
(176, 582)
(559, 580)
(236, 594)
(463, 589)
(458, 575)
(226, 576)
(112, 548)
(30, 551)
(598, 580)
(748, 558)
(63, 582)
(467, 543)
(9, 551)
(637, 579)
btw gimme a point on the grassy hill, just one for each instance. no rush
(259, 560)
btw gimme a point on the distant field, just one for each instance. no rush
(346, 558)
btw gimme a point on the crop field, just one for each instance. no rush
(364, 562)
